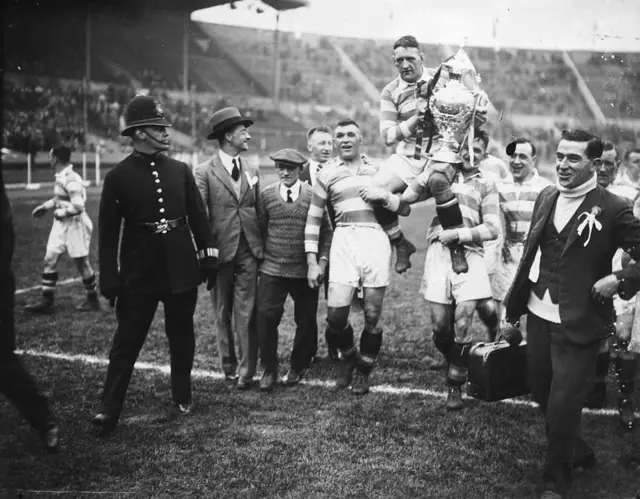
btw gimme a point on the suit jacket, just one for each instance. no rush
(583, 317)
(230, 215)
(7, 282)
(149, 189)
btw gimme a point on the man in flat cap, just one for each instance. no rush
(284, 269)
(230, 187)
(157, 200)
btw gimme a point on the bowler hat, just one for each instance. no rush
(289, 158)
(224, 119)
(143, 110)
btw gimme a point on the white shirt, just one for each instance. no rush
(227, 161)
(313, 170)
(295, 190)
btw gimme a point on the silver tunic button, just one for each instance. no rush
(164, 231)
(161, 210)
(160, 191)
(157, 181)
(160, 200)
(153, 163)
(163, 220)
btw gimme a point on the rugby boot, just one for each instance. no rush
(43, 306)
(404, 250)
(458, 259)
(360, 384)
(268, 381)
(454, 399)
(91, 304)
(346, 372)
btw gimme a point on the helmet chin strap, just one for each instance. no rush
(158, 144)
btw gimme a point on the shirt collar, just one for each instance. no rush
(295, 190)
(227, 160)
(65, 170)
(462, 179)
(426, 76)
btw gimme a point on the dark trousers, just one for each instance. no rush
(234, 300)
(15, 382)
(272, 294)
(135, 312)
(560, 376)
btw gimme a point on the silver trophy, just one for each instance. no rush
(452, 106)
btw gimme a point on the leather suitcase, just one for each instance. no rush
(497, 371)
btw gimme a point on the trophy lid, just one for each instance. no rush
(460, 63)
(460, 66)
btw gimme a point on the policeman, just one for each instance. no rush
(156, 199)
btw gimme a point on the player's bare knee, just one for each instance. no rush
(439, 183)
(337, 317)
(51, 261)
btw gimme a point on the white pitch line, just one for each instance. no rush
(60, 283)
(201, 373)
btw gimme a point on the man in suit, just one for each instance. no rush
(320, 147)
(15, 382)
(230, 187)
(576, 227)
(153, 258)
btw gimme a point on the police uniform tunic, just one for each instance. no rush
(156, 200)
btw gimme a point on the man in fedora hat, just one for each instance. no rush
(230, 187)
(157, 199)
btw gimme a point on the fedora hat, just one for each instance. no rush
(224, 119)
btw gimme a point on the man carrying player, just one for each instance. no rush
(70, 233)
(449, 293)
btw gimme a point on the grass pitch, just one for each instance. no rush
(306, 441)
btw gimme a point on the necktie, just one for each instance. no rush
(235, 173)
(289, 198)
(318, 168)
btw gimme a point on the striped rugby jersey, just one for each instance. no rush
(516, 204)
(397, 104)
(624, 187)
(339, 184)
(478, 199)
(69, 187)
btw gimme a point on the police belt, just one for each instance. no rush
(162, 227)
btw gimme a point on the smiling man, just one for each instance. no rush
(283, 272)
(230, 187)
(360, 255)
(577, 226)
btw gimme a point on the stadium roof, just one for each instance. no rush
(120, 5)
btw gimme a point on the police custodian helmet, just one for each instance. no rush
(143, 110)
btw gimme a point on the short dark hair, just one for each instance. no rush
(319, 129)
(346, 122)
(607, 145)
(594, 144)
(630, 151)
(481, 135)
(406, 41)
(511, 146)
(61, 153)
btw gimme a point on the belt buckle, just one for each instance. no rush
(161, 227)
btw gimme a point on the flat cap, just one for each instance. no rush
(288, 157)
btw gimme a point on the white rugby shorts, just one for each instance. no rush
(72, 236)
(404, 167)
(360, 256)
(440, 284)
(504, 273)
